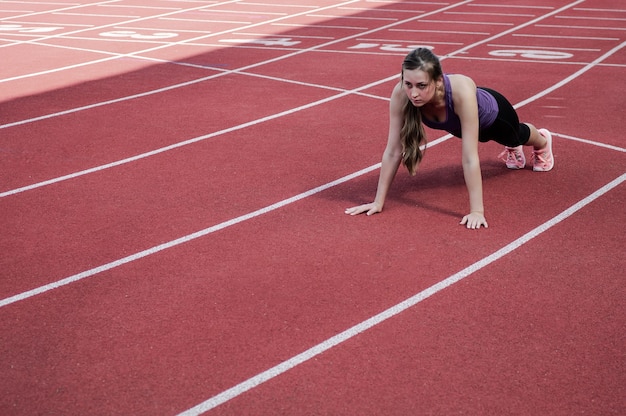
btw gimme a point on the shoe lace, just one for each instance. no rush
(541, 157)
(509, 155)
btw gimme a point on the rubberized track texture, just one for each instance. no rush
(173, 180)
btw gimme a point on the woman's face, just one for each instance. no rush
(418, 86)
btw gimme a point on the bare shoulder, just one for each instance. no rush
(397, 92)
(398, 98)
(463, 91)
(461, 83)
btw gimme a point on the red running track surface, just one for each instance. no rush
(173, 180)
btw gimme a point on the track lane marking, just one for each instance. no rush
(335, 340)
(209, 230)
(28, 13)
(185, 239)
(144, 253)
(190, 141)
(592, 142)
(194, 140)
(399, 308)
(134, 54)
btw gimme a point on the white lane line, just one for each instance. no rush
(501, 6)
(133, 6)
(157, 151)
(333, 341)
(564, 37)
(44, 12)
(223, 225)
(188, 142)
(395, 310)
(592, 142)
(318, 26)
(197, 234)
(209, 230)
(134, 54)
(185, 239)
(117, 16)
(619, 19)
(181, 19)
(583, 27)
(193, 140)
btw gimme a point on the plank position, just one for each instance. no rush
(425, 95)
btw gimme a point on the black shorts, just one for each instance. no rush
(506, 129)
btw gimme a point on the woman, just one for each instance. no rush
(452, 103)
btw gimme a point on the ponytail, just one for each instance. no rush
(412, 134)
(413, 137)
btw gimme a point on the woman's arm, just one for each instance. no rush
(391, 156)
(466, 107)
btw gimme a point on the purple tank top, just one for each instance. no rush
(487, 111)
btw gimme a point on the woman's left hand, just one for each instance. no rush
(474, 220)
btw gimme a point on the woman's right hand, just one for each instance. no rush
(370, 209)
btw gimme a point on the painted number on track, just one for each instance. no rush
(389, 47)
(530, 54)
(138, 36)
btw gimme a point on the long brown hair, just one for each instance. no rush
(412, 134)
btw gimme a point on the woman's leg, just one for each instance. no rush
(541, 140)
(535, 140)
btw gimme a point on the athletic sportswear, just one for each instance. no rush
(487, 111)
(498, 120)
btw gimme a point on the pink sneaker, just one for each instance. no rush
(543, 160)
(514, 157)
